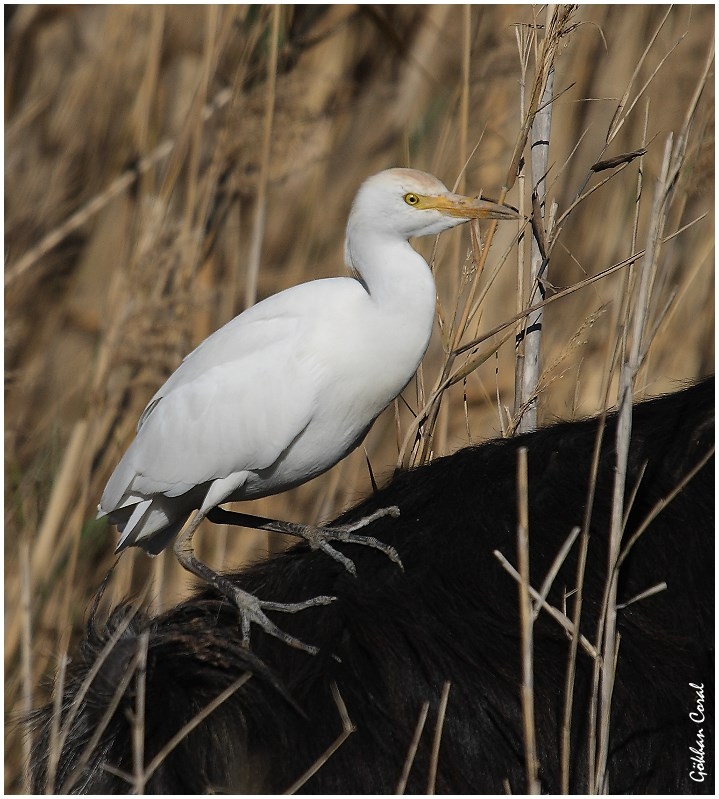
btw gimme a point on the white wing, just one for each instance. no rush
(232, 407)
(222, 412)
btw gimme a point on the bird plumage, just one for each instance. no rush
(290, 386)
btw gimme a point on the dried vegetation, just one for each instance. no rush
(166, 166)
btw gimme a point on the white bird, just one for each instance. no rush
(290, 386)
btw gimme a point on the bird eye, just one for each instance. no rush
(411, 199)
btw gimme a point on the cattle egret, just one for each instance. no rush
(290, 386)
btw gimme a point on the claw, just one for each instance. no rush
(320, 536)
(252, 611)
(251, 608)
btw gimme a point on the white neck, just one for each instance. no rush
(392, 272)
(399, 284)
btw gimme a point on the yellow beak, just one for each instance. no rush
(466, 207)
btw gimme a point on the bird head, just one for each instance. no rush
(407, 203)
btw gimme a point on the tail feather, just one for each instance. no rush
(139, 510)
(147, 524)
(145, 519)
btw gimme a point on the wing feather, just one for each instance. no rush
(227, 409)
(233, 407)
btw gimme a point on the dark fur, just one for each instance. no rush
(452, 615)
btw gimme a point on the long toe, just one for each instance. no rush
(252, 610)
(272, 629)
(328, 549)
(319, 538)
(392, 511)
(345, 535)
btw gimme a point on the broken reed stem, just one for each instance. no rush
(662, 503)
(569, 681)
(185, 730)
(628, 374)
(565, 745)
(437, 740)
(559, 295)
(655, 589)
(347, 729)
(526, 624)
(554, 569)
(556, 614)
(412, 751)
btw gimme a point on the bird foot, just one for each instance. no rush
(252, 610)
(319, 538)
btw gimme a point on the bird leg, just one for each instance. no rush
(251, 608)
(318, 537)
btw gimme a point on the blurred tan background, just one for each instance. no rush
(167, 166)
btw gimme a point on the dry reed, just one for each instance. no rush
(153, 153)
